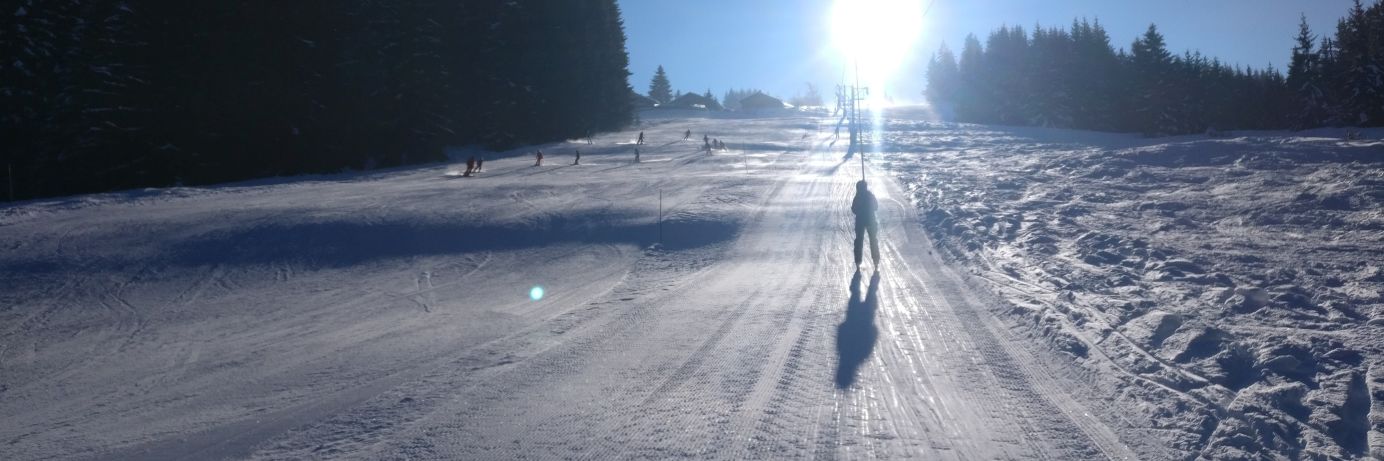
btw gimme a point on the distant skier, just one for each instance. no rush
(640, 142)
(577, 161)
(687, 134)
(864, 207)
(706, 144)
(636, 155)
(539, 156)
(470, 166)
(480, 162)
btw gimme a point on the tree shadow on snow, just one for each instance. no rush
(329, 243)
(855, 337)
(345, 243)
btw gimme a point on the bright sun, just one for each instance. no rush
(875, 36)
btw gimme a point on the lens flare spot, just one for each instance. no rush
(536, 293)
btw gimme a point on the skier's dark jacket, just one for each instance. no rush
(864, 205)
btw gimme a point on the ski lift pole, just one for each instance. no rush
(856, 118)
(862, 158)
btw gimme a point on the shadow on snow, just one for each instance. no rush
(342, 243)
(855, 337)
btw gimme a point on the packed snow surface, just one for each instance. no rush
(1043, 294)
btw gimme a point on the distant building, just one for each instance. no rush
(693, 101)
(761, 101)
(641, 102)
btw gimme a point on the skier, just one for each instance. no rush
(577, 161)
(479, 163)
(686, 134)
(470, 166)
(539, 155)
(640, 142)
(706, 144)
(636, 155)
(864, 207)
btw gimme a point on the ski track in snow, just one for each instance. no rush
(387, 316)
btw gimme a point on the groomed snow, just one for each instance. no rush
(389, 315)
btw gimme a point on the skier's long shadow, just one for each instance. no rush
(855, 337)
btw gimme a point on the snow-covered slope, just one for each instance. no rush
(396, 314)
(218, 317)
(1227, 291)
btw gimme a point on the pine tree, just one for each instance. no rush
(1304, 78)
(1360, 78)
(1004, 81)
(1153, 91)
(1371, 24)
(1095, 77)
(613, 109)
(31, 90)
(659, 88)
(943, 79)
(1051, 99)
(973, 99)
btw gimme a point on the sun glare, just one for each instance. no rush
(875, 37)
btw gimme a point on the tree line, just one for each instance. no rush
(661, 91)
(98, 96)
(1075, 78)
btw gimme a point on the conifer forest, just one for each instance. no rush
(100, 96)
(1075, 78)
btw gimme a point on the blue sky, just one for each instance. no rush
(778, 45)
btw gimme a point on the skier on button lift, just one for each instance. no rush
(864, 207)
